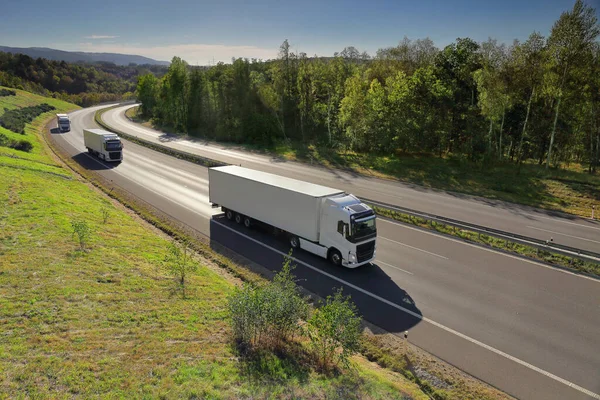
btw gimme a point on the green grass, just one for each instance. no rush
(103, 322)
(26, 99)
(569, 189)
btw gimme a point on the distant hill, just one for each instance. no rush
(80, 56)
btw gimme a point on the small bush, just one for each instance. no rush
(22, 144)
(105, 215)
(7, 92)
(82, 230)
(334, 331)
(180, 263)
(15, 120)
(268, 316)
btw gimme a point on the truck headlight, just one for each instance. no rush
(351, 258)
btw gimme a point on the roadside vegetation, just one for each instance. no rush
(88, 309)
(518, 123)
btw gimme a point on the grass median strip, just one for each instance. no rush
(490, 241)
(207, 162)
(545, 256)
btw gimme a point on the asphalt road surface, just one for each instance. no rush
(528, 329)
(565, 229)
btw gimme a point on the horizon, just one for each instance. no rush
(257, 31)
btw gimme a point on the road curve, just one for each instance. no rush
(563, 228)
(527, 329)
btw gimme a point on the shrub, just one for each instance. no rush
(22, 144)
(267, 316)
(334, 331)
(15, 120)
(7, 92)
(83, 232)
(180, 263)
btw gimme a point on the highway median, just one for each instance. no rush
(498, 242)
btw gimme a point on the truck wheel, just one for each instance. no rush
(335, 257)
(90, 151)
(294, 242)
(229, 214)
(247, 222)
(238, 218)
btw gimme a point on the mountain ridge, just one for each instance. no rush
(81, 56)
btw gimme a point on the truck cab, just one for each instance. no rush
(351, 231)
(63, 123)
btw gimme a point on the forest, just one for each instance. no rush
(537, 99)
(79, 83)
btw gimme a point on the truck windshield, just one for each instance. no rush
(113, 145)
(363, 228)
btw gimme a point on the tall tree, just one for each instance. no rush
(529, 64)
(571, 37)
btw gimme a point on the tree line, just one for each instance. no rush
(79, 83)
(536, 99)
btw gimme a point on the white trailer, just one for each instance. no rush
(63, 122)
(324, 221)
(105, 145)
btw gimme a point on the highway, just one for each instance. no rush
(523, 327)
(564, 229)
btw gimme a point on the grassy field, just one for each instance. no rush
(569, 189)
(103, 322)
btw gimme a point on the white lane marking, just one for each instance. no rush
(411, 247)
(564, 234)
(568, 222)
(425, 319)
(441, 236)
(393, 266)
(147, 188)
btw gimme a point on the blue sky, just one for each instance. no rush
(199, 31)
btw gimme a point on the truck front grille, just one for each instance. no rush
(365, 251)
(115, 155)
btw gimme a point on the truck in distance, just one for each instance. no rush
(63, 122)
(105, 145)
(324, 221)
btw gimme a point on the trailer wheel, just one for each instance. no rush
(229, 214)
(294, 242)
(335, 257)
(90, 151)
(247, 222)
(238, 218)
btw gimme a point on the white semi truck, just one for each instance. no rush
(324, 221)
(105, 145)
(63, 122)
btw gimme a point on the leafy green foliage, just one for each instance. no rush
(266, 317)
(7, 92)
(16, 119)
(79, 83)
(83, 231)
(335, 330)
(22, 144)
(180, 264)
(486, 101)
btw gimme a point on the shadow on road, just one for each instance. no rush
(380, 300)
(55, 131)
(92, 163)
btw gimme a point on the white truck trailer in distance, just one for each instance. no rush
(63, 122)
(324, 221)
(105, 145)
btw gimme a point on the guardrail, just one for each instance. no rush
(525, 240)
(547, 245)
